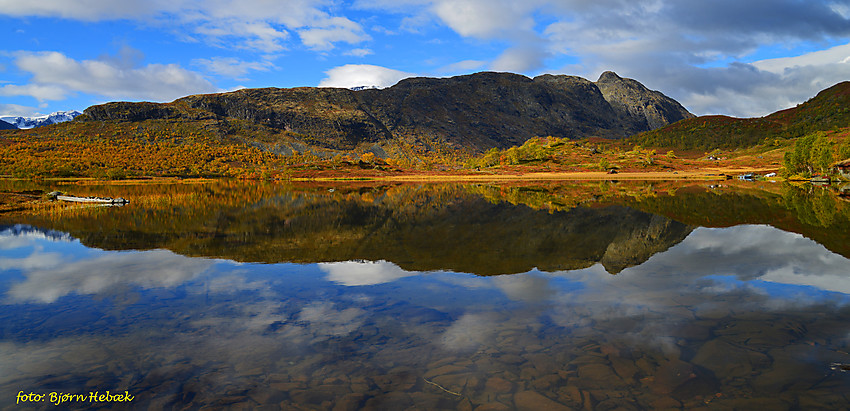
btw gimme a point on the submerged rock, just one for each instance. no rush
(533, 401)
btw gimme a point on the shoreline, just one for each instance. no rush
(703, 175)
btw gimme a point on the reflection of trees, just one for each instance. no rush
(479, 229)
(486, 229)
(813, 206)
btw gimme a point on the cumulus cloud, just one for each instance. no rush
(254, 24)
(683, 48)
(17, 110)
(485, 18)
(85, 10)
(704, 54)
(520, 59)
(38, 91)
(253, 35)
(748, 89)
(359, 52)
(231, 66)
(835, 55)
(330, 31)
(354, 75)
(464, 66)
(55, 75)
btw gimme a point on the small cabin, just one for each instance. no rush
(843, 168)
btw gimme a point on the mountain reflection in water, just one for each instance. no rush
(748, 316)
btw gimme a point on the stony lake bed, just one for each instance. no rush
(581, 295)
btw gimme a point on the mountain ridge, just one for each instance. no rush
(475, 112)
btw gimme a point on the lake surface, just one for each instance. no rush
(475, 297)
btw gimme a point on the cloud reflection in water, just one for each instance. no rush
(239, 321)
(49, 276)
(353, 273)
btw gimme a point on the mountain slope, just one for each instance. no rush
(829, 110)
(7, 126)
(474, 112)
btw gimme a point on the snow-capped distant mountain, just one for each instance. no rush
(32, 122)
(358, 88)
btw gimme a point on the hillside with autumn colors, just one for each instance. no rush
(483, 124)
(829, 110)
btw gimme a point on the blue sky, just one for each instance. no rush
(742, 58)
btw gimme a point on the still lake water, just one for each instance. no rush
(580, 296)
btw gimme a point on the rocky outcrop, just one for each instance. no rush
(327, 117)
(126, 111)
(641, 108)
(494, 109)
(476, 111)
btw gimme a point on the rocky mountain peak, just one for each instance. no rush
(640, 106)
(609, 77)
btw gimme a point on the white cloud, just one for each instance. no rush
(835, 55)
(254, 35)
(354, 75)
(232, 67)
(55, 75)
(254, 24)
(86, 10)
(333, 30)
(359, 52)
(763, 87)
(464, 66)
(17, 110)
(682, 48)
(354, 273)
(485, 18)
(39, 92)
(520, 59)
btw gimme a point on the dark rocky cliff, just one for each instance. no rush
(476, 111)
(642, 109)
